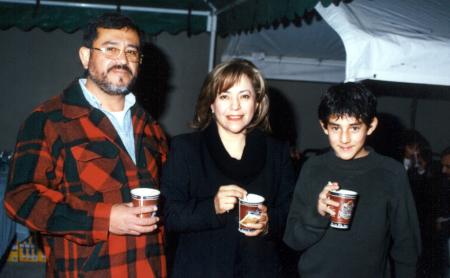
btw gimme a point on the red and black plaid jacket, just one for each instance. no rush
(69, 168)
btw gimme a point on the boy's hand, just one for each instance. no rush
(324, 202)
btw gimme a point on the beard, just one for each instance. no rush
(101, 80)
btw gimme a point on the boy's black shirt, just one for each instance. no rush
(384, 222)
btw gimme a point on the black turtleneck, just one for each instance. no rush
(246, 169)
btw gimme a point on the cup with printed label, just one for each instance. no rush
(344, 212)
(249, 211)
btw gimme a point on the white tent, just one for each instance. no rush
(404, 41)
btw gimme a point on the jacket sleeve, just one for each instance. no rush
(185, 211)
(35, 194)
(406, 243)
(286, 182)
(305, 226)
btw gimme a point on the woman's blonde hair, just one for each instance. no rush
(223, 77)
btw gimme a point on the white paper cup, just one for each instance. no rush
(145, 197)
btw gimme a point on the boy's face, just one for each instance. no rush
(347, 136)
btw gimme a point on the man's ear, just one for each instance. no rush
(322, 124)
(373, 125)
(85, 54)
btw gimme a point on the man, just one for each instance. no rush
(416, 153)
(443, 219)
(416, 156)
(384, 222)
(445, 163)
(79, 154)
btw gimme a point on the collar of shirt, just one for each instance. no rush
(130, 99)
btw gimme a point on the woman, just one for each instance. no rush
(229, 156)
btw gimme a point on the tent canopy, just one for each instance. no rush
(153, 16)
(221, 17)
(310, 52)
(403, 41)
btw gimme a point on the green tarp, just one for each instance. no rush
(233, 16)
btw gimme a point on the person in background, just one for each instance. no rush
(229, 156)
(77, 157)
(443, 215)
(7, 225)
(416, 156)
(445, 163)
(384, 223)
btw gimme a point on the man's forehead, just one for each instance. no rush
(125, 34)
(338, 119)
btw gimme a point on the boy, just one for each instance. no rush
(384, 221)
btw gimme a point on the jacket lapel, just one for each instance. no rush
(139, 121)
(95, 122)
(151, 146)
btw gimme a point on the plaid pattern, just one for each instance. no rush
(69, 168)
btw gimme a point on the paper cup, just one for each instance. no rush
(145, 197)
(249, 211)
(344, 212)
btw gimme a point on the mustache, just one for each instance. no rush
(120, 67)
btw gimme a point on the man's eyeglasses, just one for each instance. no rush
(111, 52)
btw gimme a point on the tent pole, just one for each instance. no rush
(213, 22)
(212, 28)
(212, 42)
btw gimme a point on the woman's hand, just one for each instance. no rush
(227, 197)
(262, 226)
(324, 202)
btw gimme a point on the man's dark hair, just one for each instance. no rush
(348, 99)
(445, 152)
(109, 21)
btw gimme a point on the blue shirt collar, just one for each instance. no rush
(130, 99)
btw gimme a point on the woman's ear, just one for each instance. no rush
(373, 125)
(85, 55)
